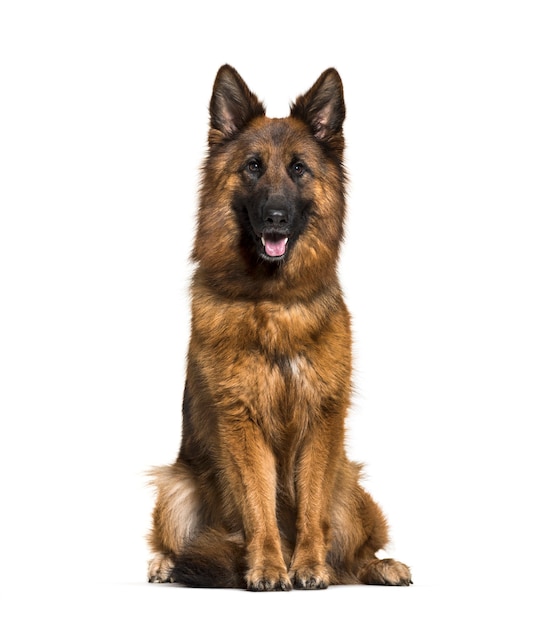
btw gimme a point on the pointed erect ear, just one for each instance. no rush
(232, 105)
(323, 107)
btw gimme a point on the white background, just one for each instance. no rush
(102, 129)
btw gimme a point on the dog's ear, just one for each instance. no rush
(232, 105)
(323, 108)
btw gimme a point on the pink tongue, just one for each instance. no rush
(275, 247)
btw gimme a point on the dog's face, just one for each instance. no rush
(272, 195)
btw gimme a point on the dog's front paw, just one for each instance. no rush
(314, 577)
(268, 579)
(160, 569)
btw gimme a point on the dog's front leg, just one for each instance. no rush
(315, 477)
(251, 476)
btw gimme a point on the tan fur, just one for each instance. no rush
(262, 494)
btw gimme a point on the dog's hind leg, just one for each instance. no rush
(360, 531)
(371, 570)
(175, 518)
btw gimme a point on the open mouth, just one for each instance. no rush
(274, 244)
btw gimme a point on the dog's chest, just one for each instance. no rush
(292, 368)
(293, 389)
(279, 364)
(284, 333)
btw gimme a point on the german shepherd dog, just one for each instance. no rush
(262, 495)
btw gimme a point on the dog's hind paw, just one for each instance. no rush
(160, 569)
(385, 572)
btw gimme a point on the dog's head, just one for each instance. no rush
(273, 184)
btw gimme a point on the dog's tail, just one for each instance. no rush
(212, 560)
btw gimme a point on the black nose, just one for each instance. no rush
(275, 214)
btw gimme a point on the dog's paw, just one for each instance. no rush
(386, 572)
(160, 569)
(315, 577)
(268, 579)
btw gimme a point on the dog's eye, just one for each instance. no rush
(298, 168)
(254, 166)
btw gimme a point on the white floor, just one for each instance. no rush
(141, 603)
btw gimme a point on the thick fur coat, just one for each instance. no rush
(262, 495)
